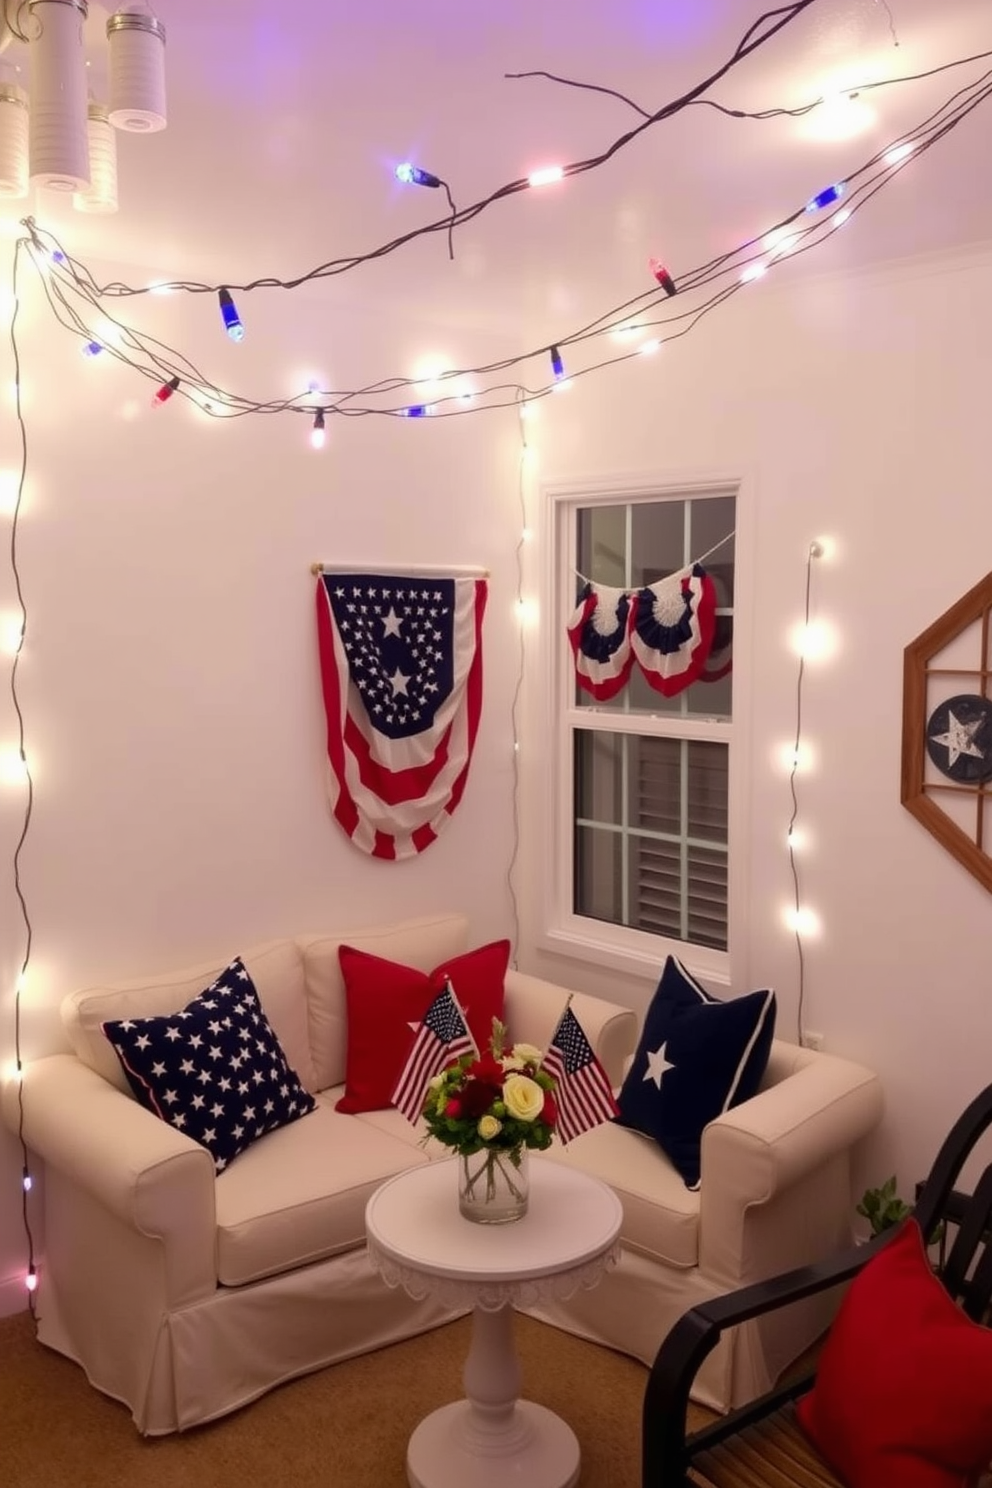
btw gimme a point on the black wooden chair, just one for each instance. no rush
(761, 1443)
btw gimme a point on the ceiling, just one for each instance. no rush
(286, 121)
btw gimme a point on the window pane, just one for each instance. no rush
(710, 521)
(601, 547)
(656, 868)
(598, 777)
(599, 875)
(651, 834)
(625, 546)
(707, 902)
(657, 541)
(707, 791)
(656, 785)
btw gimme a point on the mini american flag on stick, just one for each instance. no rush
(583, 1095)
(442, 1037)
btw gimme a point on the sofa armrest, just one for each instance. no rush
(533, 1007)
(757, 1153)
(147, 1174)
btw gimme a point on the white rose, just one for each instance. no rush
(523, 1097)
(489, 1127)
(527, 1053)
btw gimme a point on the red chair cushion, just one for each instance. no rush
(386, 1001)
(903, 1393)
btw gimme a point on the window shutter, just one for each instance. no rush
(681, 887)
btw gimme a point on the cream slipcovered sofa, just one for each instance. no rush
(186, 1294)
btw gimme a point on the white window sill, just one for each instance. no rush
(632, 952)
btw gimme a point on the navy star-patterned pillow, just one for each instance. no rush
(215, 1069)
(696, 1058)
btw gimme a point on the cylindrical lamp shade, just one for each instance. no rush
(101, 194)
(137, 71)
(13, 140)
(59, 151)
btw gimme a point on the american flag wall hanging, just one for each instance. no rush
(401, 673)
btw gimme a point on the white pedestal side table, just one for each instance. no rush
(417, 1239)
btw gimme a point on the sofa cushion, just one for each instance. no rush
(300, 1195)
(393, 1124)
(660, 1214)
(215, 1070)
(697, 1057)
(386, 1001)
(422, 942)
(275, 967)
(903, 1390)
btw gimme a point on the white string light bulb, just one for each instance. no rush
(546, 176)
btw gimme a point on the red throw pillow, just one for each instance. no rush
(386, 1001)
(903, 1393)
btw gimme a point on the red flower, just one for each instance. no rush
(486, 1068)
(549, 1111)
(477, 1096)
(453, 1108)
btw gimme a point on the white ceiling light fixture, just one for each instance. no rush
(101, 194)
(53, 133)
(13, 140)
(137, 69)
(58, 144)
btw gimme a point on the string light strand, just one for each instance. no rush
(26, 1178)
(522, 471)
(814, 551)
(63, 276)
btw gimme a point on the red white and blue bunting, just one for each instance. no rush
(599, 633)
(667, 627)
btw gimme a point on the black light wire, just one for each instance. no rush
(66, 275)
(798, 112)
(776, 20)
(815, 550)
(29, 804)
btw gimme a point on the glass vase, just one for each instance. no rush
(494, 1185)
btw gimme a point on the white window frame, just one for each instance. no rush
(562, 932)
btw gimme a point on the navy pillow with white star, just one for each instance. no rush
(215, 1070)
(697, 1057)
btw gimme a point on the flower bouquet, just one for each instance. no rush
(491, 1107)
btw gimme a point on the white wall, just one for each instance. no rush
(857, 408)
(169, 676)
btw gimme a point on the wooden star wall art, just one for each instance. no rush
(947, 730)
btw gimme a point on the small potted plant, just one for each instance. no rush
(882, 1207)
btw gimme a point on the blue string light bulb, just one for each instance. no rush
(229, 311)
(557, 365)
(826, 197)
(412, 175)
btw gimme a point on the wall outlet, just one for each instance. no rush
(812, 1038)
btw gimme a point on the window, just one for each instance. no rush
(644, 799)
